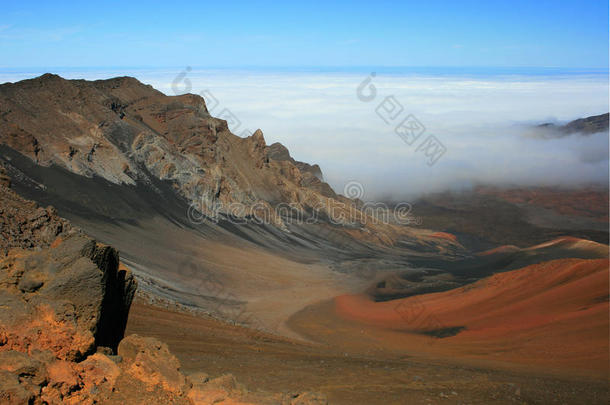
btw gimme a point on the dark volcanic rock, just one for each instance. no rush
(584, 126)
(589, 125)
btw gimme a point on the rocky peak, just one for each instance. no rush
(279, 152)
(258, 138)
(49, 77)
(584, 126)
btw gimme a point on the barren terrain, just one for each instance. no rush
(349, 370)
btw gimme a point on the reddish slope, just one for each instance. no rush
(565, 246)
(549, 313)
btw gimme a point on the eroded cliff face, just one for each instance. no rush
(60, 290)
(128, 133)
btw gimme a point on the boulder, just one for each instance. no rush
(69, 299)
(152, 364)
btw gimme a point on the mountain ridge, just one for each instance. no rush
(127, 132)
(585, 126)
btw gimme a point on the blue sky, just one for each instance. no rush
(572, 34)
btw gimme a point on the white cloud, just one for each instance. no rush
(479, 119)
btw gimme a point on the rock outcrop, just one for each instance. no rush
(59, 289)
(23, 224)
(311, 174)
(143, 372)
(62, 294)
(279, 152)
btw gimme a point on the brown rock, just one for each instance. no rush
(25, 225)
(280, 153)
(151, 363)
(68, 297)
(21, 377)
(12, 391)
(99, 375)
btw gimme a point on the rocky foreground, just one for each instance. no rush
(65, 299)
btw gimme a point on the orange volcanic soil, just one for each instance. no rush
(553, 313)
(500, 249)
(570, 242)
(562, 244)
(445, 235)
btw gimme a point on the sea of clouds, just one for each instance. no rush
(482, 121)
